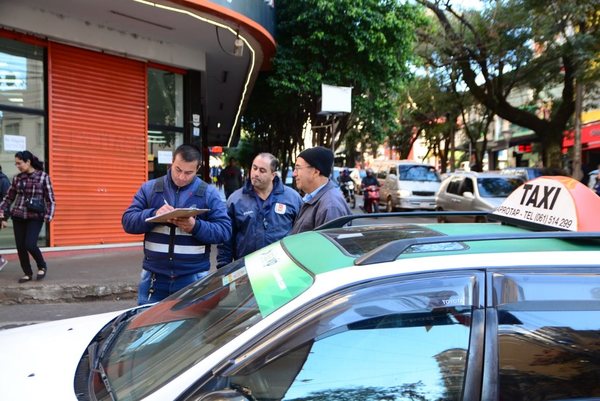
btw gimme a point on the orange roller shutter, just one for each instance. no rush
(97, 143)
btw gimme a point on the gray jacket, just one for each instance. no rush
(327, 205)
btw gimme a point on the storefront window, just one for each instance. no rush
(21, 75)
(165, 119)
(22, 111)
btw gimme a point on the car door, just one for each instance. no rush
(412, 337)
(546, 326)
(452, 198)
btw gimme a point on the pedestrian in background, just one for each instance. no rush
(4, 185)
(322, 200)
(176, 253)
(261, 212)
(231, 177)
(30, 203)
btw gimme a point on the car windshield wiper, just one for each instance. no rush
(96, 354)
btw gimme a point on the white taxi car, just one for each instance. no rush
(487, 312)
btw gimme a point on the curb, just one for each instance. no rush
(54, 293)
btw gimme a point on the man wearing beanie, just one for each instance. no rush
(322, 200)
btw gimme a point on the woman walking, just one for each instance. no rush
(32, 200)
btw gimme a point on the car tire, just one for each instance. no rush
(389, 205)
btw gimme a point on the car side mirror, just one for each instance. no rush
(222, 395)
(468, 195)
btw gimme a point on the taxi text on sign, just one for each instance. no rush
(552, 202)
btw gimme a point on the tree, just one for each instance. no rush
(532, 45)
(364, 44)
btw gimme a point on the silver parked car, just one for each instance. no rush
(471, 191)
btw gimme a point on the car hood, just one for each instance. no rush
(39, 361)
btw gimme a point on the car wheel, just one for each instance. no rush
(389, 205)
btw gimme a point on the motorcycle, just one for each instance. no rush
(347, 188)
(371, 197)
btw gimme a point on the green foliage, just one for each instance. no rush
(364, 44)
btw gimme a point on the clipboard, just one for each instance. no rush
(179, 212)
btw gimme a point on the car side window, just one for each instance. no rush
(392, 170)
(548, 331)
(454, 186)
(385, 341)
(467, 186)
(382, 174)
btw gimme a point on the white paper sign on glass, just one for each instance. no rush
(15, 143)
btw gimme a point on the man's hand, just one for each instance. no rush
(184, 223)
(164, 209)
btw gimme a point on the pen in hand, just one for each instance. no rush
(167, 207)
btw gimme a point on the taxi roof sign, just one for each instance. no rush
(551, 203)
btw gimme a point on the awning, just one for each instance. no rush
(590, 137)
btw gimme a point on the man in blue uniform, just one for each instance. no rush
(262, 211)
(176, 253)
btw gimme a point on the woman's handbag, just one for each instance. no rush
(35, 205)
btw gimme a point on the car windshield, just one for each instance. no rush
(418, 173)
(497, 187)
(167, 339)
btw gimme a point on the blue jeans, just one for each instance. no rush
(156, 287)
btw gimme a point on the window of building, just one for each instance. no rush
(21, 75)
(22, 111)
(165, 118)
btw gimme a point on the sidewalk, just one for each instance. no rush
(109, 273)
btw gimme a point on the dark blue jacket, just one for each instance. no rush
(168, 250)
(256, 226)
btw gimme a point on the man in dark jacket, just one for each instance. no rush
(176, 253)
(323, 201)
(261, 212)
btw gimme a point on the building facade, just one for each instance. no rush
(104, 90)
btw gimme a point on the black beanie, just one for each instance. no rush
(320, 158)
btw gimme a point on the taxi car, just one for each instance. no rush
(398, 311)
